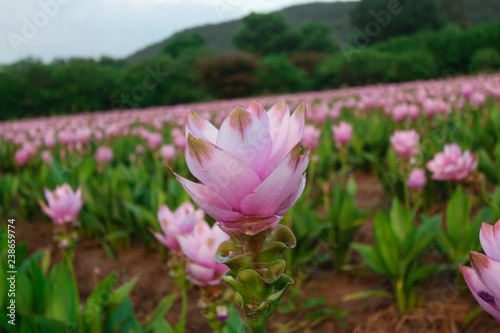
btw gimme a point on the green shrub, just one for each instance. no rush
(412, 66)
(277, 75)
(230, 75)
(485, 60)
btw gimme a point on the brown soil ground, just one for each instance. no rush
(444, 309)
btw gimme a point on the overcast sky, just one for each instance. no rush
(49, 29)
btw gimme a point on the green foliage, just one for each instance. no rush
(277, 75)
(461, 234)
(485, 60)
(230, 75)
(318, 37)
(265, 34)
(376, 20)
(397, 251)
(182, 44)
(48, 301)
(345, 219)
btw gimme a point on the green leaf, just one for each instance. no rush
(63, 305)
(366, 294)
(159, 313)
(457, 215)
(99, 298)
(387, 244)
(124, 290)
(371, 257)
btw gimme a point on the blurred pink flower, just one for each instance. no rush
(139, 149)
(251, 168)
(49, 140)
(21, 157)
(310, 136)
(173, 224)
(46, 157)
(342, 133)
(179, 138)
(467, 90)
(167, 152)
(451, 165)
(200, 248)
(405, 143)
(400, 112)
(416, 180)
(154, 140)
(63, 204)
(104, 155)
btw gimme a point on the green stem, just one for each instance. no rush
(407, 197)
(400, 296)
(343, 167)
(68, 257)
(181, 325)
(288, 252)
(257, 324)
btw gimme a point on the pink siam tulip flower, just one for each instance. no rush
(63, 204)
(416, 180)
(46, 157)
(335, 111)
(200, 248)
(482, 278)
(251, 168)
(467, 90)
(179, 138)
(49, 140)
(478, 99)
(104, 155)
(321, 113)
(400, 112)
(154, 140)
(443, 107)
(311, 136)
(21, 157)
(451, 165)
(413, 111)
(167, 153)
(139, 149)
(405, 143)
(430, 108)
(173, 224)
(342, 133)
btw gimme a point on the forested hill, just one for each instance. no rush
(335, 14)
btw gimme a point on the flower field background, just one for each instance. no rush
(400, 179)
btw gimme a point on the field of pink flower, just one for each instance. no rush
(363, 209)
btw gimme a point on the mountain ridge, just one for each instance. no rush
(334, 14)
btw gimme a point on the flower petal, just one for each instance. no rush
(279, 118)
(479, 291)
(200, 273)
(259, 111)
(293, 136)
(274, 191)
(200, 127)
(208, 200)
(488, 270)
(227, 175)
(292, 198)
(244, 136)
(490, 240)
